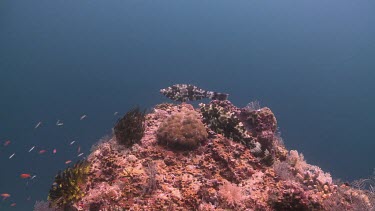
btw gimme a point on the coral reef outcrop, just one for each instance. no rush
(231, 159)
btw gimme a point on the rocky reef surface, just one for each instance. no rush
(214, 157)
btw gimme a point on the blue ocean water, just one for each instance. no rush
(311, 62)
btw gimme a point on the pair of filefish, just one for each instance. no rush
(188, 92)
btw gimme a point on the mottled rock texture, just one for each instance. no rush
(235, 160)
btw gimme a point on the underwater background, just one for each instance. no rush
(311, 62)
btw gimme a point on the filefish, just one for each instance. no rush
(188, 92)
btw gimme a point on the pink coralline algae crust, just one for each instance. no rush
(219, 174)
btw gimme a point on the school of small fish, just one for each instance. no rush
(26, 176)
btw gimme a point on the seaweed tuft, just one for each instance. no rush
(68, 185)
(130, 128)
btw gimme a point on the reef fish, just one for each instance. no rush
(10, 157)
(59, 123)
(31, 149)
(5, 195)
(38, 125)
(6, 143)
(25, 176)
(188, 92)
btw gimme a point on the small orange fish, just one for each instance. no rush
(6, 143)
(13, 204)
(25, 176)
(68, 161)
(5, 195)
(42, 151)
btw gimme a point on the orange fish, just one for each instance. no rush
(25, 176)
(5, 195)
(68, 161)
(6, 143)
(42, 151)
(13, 204)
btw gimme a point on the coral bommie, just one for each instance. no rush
(182, 130)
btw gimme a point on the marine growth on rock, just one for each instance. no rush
(182, 130)
(188, 92)
(69, 185)
(130, 128)
(215, 157)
